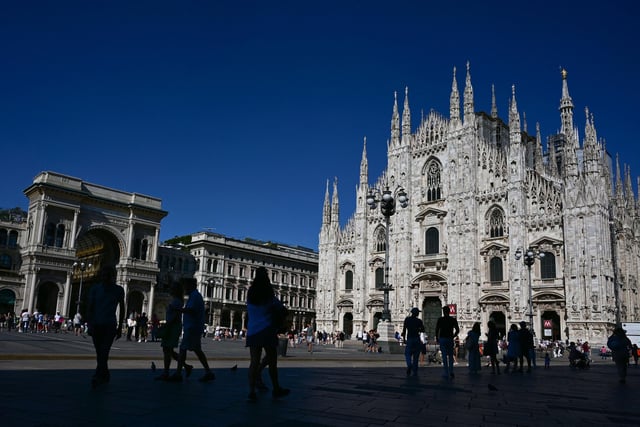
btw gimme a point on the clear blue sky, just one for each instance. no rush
(236, 113)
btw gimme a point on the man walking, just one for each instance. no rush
(526, 345)
(103, 302)
(411, 330)
(446, 330)
(192, 321)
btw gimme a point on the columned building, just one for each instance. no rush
(226, 267)
(481, 187)
(73, 229)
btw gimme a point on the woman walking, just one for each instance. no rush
(172, 330)
(472, 344)
(491, 347)
(265, 312)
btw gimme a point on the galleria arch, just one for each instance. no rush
(74, 228)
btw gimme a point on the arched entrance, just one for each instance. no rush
(377, 316)
(500, 320)
(431, 311)
(95, 248)
(550, 326)
(134, 302)
(47, 300)
(347, 325)
(7, 301)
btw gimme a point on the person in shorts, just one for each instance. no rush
(192, 321)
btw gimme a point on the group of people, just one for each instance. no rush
(266, 318)
(520, 346)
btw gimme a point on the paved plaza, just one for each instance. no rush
(45, 382)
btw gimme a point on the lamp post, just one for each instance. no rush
(529, 258)
(210, 293)
(388, 208)
(82, 267)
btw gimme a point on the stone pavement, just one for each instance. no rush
(344, 388)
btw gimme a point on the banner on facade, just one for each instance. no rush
(453, 309)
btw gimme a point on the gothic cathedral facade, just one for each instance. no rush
(479, 189)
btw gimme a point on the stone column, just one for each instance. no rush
(66, 310)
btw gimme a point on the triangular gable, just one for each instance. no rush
(494, 245)
(439, 213)
(546, 240)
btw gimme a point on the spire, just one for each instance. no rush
(566, 107)
(591, 156)
(538, 150)
(494, 107)
(406, 118)
(395, 121)
(468, 97)
(364, 167)
(628, 187)
(514, 118)
(618, 180)
(454, 102)
(335, 209)
(326, 209)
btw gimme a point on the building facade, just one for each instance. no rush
(226, 267)
(50, 259)
(480, 188)
(72, 229)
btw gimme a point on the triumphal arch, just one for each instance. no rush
(74, 228)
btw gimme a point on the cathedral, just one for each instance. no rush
(498, 226)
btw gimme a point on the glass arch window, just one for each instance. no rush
(381, 240)
(379, 278)
(496, 223)
(432, 241)
(433, 181)
(348, 280)
(548, 266)
(495, 269)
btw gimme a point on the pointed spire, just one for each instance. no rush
(468, 97)
(514, 118)
(524, 121)
(628, 186)
(326, 209)
(566, 106)
(395, 121)
(364, 166)
(538, 150)
(494, 106)
(406, 118)
(618, 179)
(454, 102)
(335, 208)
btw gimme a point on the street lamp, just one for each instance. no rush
(529, 258)
(210, 293)
(82, 267)
(388, 209)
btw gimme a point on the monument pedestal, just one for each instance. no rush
(387, 339)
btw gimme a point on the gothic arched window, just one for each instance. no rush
(381, 240)
(379, 278)
(496, 223)
(433, 181)
(495, 269)
(348, 280)
(432, 241)
(548, 266)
